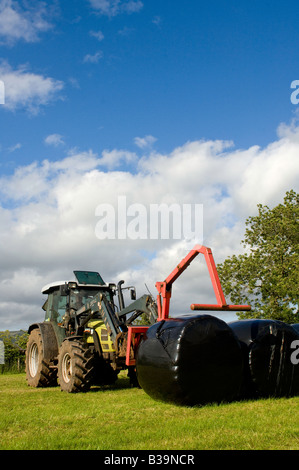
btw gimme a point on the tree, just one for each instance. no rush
(267, 275)
(14, 348)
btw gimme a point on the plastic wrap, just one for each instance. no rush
(267, 349)
(190, 361)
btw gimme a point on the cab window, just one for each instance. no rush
(55, 306)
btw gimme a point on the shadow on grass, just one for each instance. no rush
(121, 384)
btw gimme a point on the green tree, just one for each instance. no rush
(267, 275)
(142, 320)
(14, 348)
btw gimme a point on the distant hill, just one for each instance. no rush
(14, 333)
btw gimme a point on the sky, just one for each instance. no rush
(149, 102)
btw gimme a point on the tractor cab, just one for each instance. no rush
(72, 295)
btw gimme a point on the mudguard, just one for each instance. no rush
(50, 343)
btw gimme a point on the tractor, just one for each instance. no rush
(83, 340)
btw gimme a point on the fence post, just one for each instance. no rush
(2, 356)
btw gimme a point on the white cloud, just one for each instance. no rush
(143, 142)
(157, 20)
(76, 161)
(48, 218)
(93, 58)
(115, 7)
(17, 23)
(24, 89)
(97, 34)
(54, 139)
(15, 147)
(113, 159)
(125, 31)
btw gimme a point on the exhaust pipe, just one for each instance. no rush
(120, 295)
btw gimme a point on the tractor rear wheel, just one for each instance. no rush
(75, 366)
(38, 370)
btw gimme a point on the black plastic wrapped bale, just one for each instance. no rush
(267, 348)
(296, 326)
(190, 361)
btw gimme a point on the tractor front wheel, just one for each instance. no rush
(39, 372)
(75, 366)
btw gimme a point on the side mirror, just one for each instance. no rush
(133, 294)
(64, 290)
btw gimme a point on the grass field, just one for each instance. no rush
(124, 418)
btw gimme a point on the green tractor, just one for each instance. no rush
(86, 338)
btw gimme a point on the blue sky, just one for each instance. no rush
(159, 101)
(178, 71)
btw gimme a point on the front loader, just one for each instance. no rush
(84, 338)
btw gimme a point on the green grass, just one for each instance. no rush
(124, 418)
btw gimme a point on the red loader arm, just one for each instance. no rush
(164, 288)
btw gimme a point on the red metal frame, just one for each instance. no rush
(164, 294)
(164, 288)
(135, 334)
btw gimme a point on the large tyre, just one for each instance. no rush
(39, 372)
(75, 366)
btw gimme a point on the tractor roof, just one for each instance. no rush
(52, 285)
(83, 279)
(46, 289)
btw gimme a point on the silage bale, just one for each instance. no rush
(190, 361)
(268, 368)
